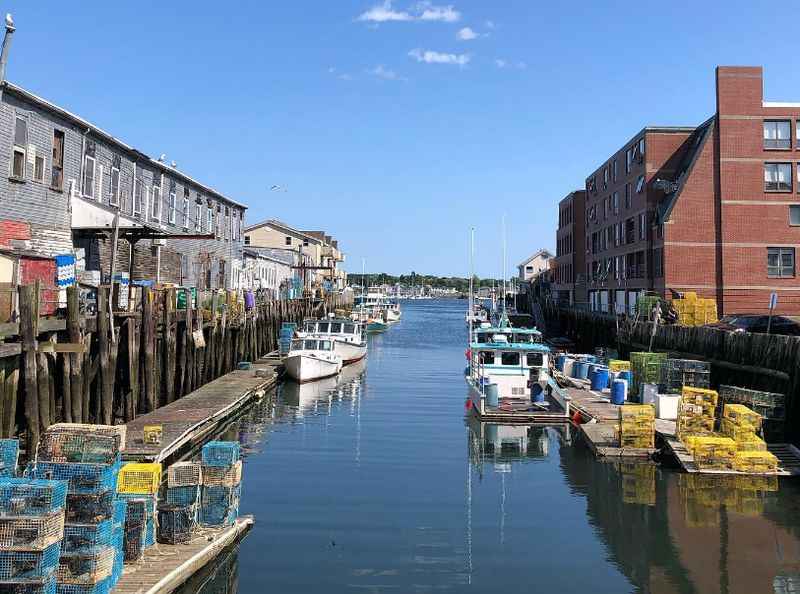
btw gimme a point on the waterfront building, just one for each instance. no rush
(534, 265)
(712, 208)
(569, 264)
(273, 271)
(70, 183)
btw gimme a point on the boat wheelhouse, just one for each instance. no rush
(311, 359)
(346, 334)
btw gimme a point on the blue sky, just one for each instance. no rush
(397, 125)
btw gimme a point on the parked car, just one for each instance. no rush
(758, 323)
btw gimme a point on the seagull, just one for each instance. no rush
(276, 188)
(9, 21)
(162, 158)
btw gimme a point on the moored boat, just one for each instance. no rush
(347, 336)
(311, 359)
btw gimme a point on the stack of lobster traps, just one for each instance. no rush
(222, 478)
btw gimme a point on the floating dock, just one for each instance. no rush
(189, 421)
(166, 567)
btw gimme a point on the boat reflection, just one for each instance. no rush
(317, 398)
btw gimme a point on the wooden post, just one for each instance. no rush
(169, 345)
(187, 352)
(106, 391)
(148, 346)
(75, 359)
(9, 396)
(133, 370)
(28, 311)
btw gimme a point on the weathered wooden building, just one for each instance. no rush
(70, 183)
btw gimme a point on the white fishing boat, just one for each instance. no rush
(477, 316)
(311, 359)
(347, 336)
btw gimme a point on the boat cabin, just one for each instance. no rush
(487, 334)
(333, 326)
(311, 344)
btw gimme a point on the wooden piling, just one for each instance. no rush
(148, 348)
(169, 345)
(28, 310)
(75, 359)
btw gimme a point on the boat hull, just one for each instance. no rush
(306, 368)
(350, 352)
(375, 327)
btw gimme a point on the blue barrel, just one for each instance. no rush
(625, 375)
(537, 393)
(618, 390)
(581, 370)
(589, 358)
(492, 395)
(600, 378)
(560, 362)
(569, 367)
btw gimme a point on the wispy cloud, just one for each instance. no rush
(431, 57)
(500, 63)
(340, 75)
(421, 11)
(381, 71)
(490, 24)
(506, 64)
(466, 34)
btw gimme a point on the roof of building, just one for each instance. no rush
(543, 252)
(697, 141)
(275, 254)
(281, 226)
(50, 106)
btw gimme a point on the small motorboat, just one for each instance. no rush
(347, 336)
(311, 359)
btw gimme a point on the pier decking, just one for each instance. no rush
(165, 567)
(190, 420)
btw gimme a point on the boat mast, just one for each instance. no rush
(504, 266)
(471, 275)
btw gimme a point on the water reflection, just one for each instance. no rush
(317, 398)
(221, 576)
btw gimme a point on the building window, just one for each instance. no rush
(640, 184)
(88, 176)
(794, 215)
(247, 240)
(605, 177)
(155, 204)
(641, 149)
(627, 196)
(630, 230)
(114, 186)
(198, 215)
(38, 168)
(628, 160)
(138, 196)
(615, 201)
(614, 171)
(287, 241)
(210, 219)
(780, 262)
(20, 148)
(185, 208)
(172, 206)
(777, 134)
(305, 243)
(777, 177)
(643, 225)
(57, 162)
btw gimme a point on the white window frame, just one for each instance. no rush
(210, 219)
(39, 179)
(155, 204)
(16, 148)
(198, 213)
(99, 192)
(137, 197)
(186, 212)
(114, 195)
(173, 204)
(86, 159)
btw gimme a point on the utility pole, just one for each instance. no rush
(4, 51)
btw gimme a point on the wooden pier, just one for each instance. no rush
(188, 422)
(166, 567)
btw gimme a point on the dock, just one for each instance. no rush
(189, 421)
(166, 567)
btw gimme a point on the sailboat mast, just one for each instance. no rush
(504, 265)
(471, 276)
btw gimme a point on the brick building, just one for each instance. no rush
(569, 264)
(712, 208)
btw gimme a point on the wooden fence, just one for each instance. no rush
(759, 361)
(108, 368)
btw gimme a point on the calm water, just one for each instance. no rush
(376, 483)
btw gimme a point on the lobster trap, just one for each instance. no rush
(90, 509)
(87, 567)
(139, 509)
(220, 453)
(31, 497)
(224, 495)
(222, 476)
(83, 479)
(219, 514)
(120, 511)
(77, 448)
(175, 524)
(31, 533)
(184, 474)
(29, 565)
(104, 587)
(9, 454)
(79, 537)
(188, 495)
(42, 586)
(139, 478)
(133, 543)
(116, 431)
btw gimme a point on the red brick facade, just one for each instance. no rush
(721, 207)
(569, 265)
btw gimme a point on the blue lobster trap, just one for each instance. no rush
(150, 532)
(78, 448)
(104, 587)
(139, 508)
(9, 454)
(31, 497)
(117, 541)
(79, 537)
(175, 524)
(29, 565)
(188, 495)
(221, 453)
(83, 479)
(218, 514)
(88, 567)
(133, 543)
(90, 509)
(226, 495)
(120, 511)
(31, 533)
(42, 586)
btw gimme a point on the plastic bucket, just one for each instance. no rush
(618, 392)
(600, 378)
(581, 370)
(560, 359)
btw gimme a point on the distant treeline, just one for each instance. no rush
(417, 280)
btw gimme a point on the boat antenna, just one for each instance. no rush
(471, 276)
(504, 319)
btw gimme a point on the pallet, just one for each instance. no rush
(196, 416)
(602, 440)
(165, 567)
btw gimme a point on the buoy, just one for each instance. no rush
(577, 418)
(468, 404)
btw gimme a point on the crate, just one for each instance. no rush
(89, 509)
(140, 508)
(175, 524)
(711, 452)
(133, 543)
(150, 532)
(77, 448)
(646, 369)
(184, 474)
(40, 586)
(221, 453)
(222, 476)
(29, 565)
(117, 541)
(83, 479)
(120, 511)
(152, 434)
(88, 567)
(226, 495)
(139, 478)
(736, 432)
(9, 455)
(219, 514)
(103, 587)
(31, 497)
(755, 462)
(188, 495)
(617, 365)
(31, 533)
(700, 396)
(742, 417)
(79, 537)
(116, 431)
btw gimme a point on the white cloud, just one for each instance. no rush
(466, 34)
(422, 11)
(506, 64)
(500, 63)
(382, 72)
(490, 24)
(343, 76)
(383, 13)
(431, 57)
(429, 12)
